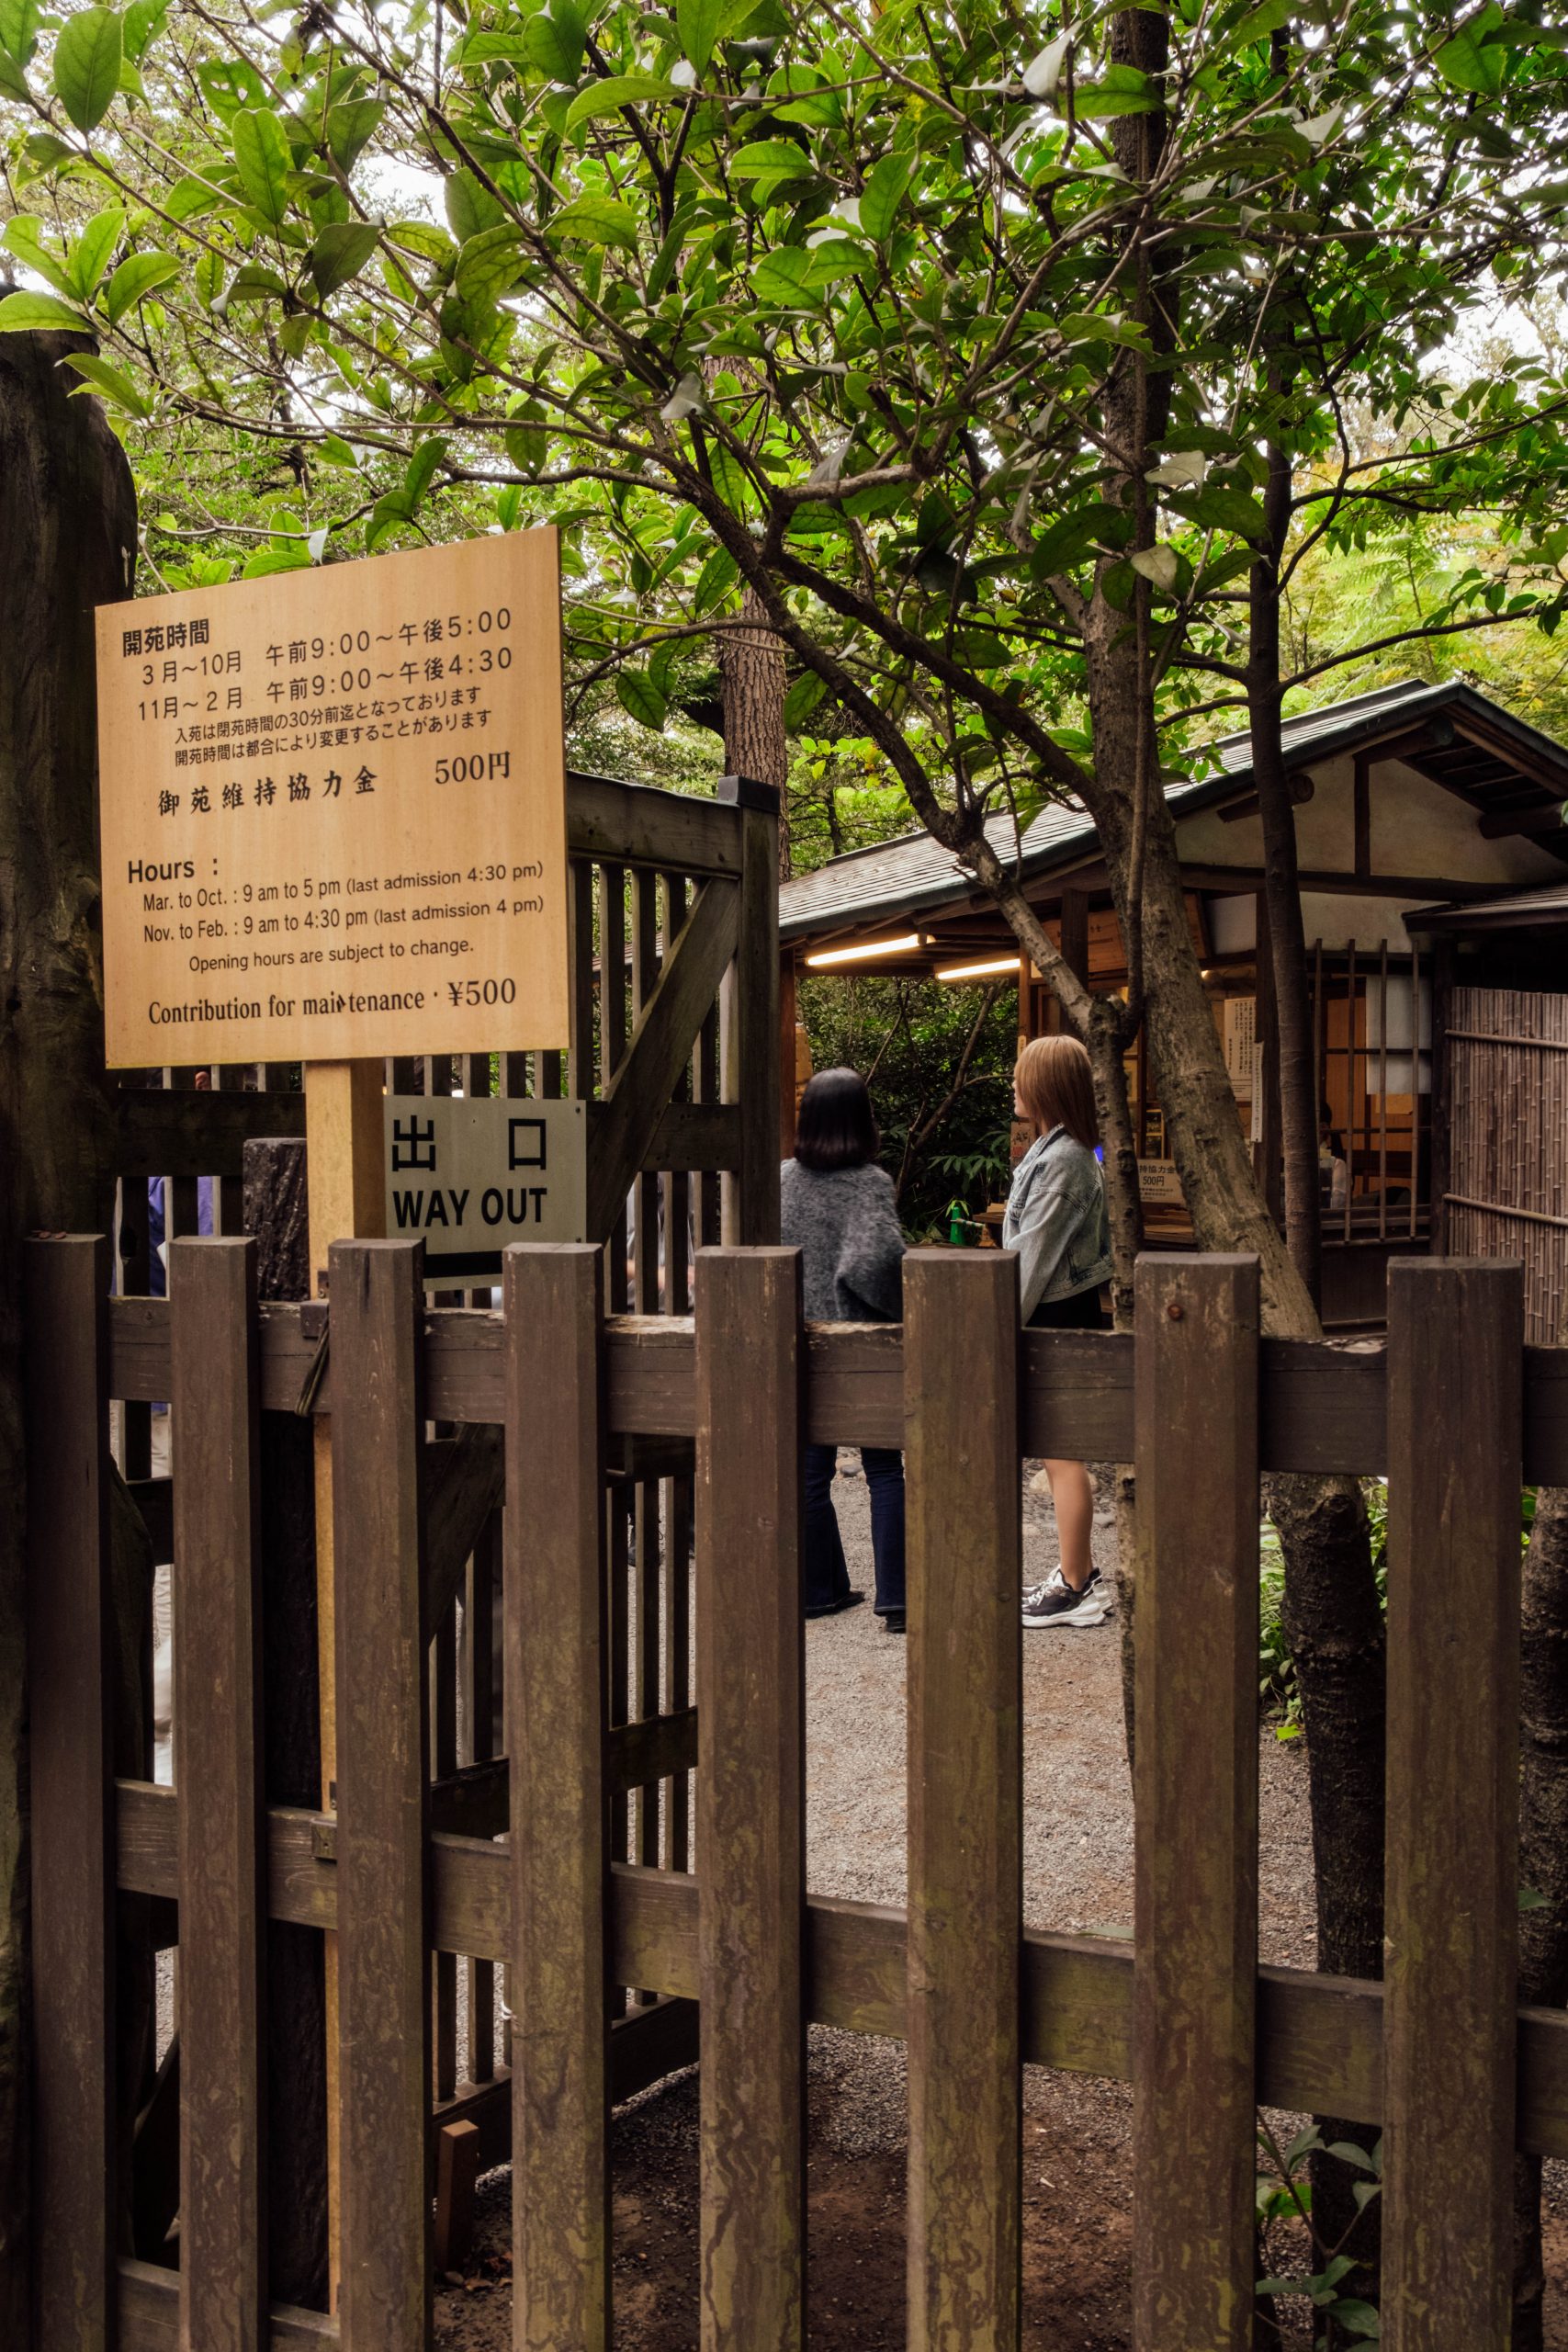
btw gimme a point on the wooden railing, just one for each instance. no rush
(1455, 1411)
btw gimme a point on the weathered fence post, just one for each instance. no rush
(554, 1682)
(219, 1777)
(965, 1780)
(383, 1793)
(1455, 1410)
(750, 1801)
(1195, 1785)
(68, 532)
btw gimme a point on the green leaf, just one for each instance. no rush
(641, 698)
(699, 27)
(38, 314)
(555, 39)
(135, 278)
(884, 192)
(730, 476)
(1360, 2318)
(489, 264)
(621, 90)
(1473, 59)
(90, 254)
(1158, 565)
(264, 161)
(1066, 543)
(144, 20)
(770, 159)
(717, 577)
(597, 221)
(19, 21)
(469, 207)
(341, 252)
(421, 469)
(1230, 510)
(102, 377)
(351, 127)
(86, 65)
(190, 196)
(24, 237)
(254, 282)
(783, 277)
(295, 556)
(802, 699)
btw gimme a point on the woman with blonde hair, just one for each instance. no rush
(1057, 1222)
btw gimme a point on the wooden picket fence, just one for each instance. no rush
(1455, 1411)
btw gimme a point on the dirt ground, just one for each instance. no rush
(1077, 1874)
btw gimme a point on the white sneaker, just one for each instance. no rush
(1056, 1602)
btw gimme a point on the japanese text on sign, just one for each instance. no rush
(468, 1176)
(334, 811)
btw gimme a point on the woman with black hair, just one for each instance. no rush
(839, 1212)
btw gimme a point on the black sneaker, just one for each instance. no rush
(893, 1620)
(835, 1608)
(1056, 1602)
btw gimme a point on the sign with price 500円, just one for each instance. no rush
(334, 811)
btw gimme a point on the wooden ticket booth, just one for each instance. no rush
(1402, 796)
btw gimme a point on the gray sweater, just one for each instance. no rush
(846, 1227)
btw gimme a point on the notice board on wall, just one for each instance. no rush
(334, 811)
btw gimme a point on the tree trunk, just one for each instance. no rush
(751, 668)
(68, 532)
(1299, 1100)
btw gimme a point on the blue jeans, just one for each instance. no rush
(827, 1578)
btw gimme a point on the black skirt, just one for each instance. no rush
(1081, 1312)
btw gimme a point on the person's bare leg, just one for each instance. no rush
(1072, 1492)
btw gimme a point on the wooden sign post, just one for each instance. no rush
(333, 812)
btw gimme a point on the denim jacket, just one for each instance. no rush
(1057, 1221)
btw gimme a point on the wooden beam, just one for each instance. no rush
(1362, 813)
(661, 1045)
(1503, 825)
(694, 1135)
(1320, 2039)
(633, 824)
(750, 1026)
(167, 1131)
(1323, 1406)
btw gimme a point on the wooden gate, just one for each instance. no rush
(674, 1051)
(1457, 1413)
(1508, 1140)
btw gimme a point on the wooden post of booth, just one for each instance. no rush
(750, 1024)
(343, 1158)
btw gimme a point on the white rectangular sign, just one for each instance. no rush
(468, 1176)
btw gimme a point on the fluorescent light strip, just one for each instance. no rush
(865, 954)
(978, 971)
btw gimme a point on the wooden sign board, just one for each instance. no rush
(1158, 1182)
(469, 1176)
(334, 811)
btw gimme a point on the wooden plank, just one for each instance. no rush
(641, 826)
(752, 1020)
(645, 2045)
(150, 2316)
(1319, 2038)
(383, 1787)
(162, 1130)
(689, 1136)
(463, 1489)
(555, 1693)
(751, 1802)
(219, 1772)
(70, 1650)
(636, 1098)
(1195, 1792)
(1455, 1332)
(456, 2170)
(966, 1800)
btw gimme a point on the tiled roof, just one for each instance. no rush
(1522, 906)
(916, 876)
